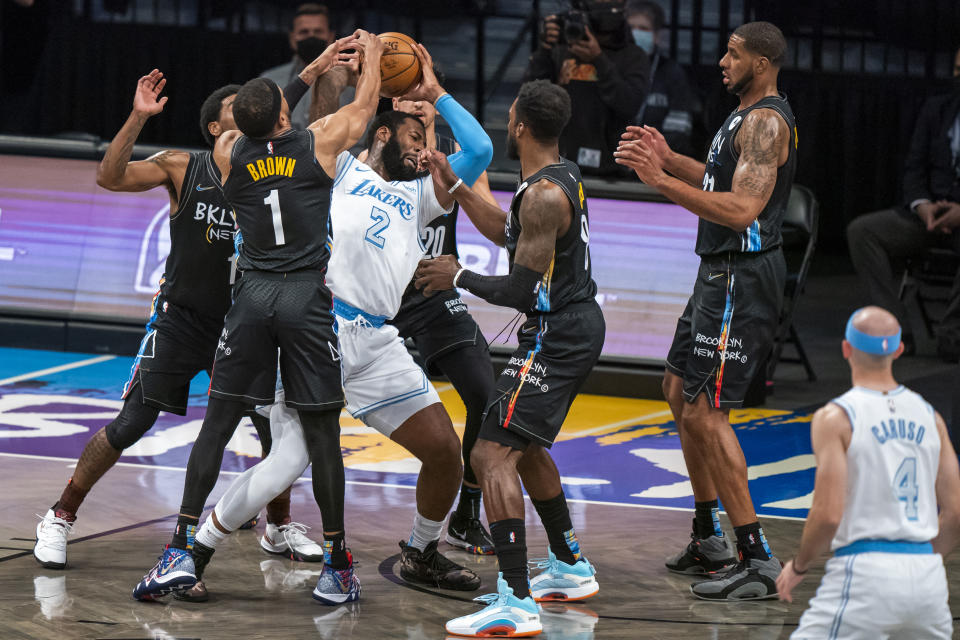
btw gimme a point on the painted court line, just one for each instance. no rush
(384, 485)
(62, 367)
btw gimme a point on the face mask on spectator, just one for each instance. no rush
(309, 48)
(644, 39)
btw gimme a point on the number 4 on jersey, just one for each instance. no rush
(905, 487)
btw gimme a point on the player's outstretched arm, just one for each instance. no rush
(340, 130)
(166, 168)
(684, 167)
(222, 151)
(545, 207)
(763, 139)
(476, 149)
(948, 493)
(830, 433)
(327, 76)
(477, 201)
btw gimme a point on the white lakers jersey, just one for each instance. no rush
(375, 234)
(892, 465)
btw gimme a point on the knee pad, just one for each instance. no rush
(134, 420)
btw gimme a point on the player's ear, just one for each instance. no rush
(847, 350)
(396, 103)
(383, 134)
(214, 128)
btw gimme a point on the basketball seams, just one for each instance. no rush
(413, 60)
(398, 63)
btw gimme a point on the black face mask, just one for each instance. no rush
(309, 48)
(393, 162)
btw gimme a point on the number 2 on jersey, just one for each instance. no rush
(274, 201)
(905, 487)
(381, 220)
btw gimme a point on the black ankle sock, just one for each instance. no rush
(707, 519)
(556, 520)
(201, 557)
(510, 541)
(469, 505)
(751, 543)
(185, 532)
(338, 551)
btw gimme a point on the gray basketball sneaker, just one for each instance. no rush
(703, 556)
(750, 579)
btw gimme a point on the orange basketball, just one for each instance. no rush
(399, 65)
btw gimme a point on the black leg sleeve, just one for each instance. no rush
(321, 429)
(471, 374)
(134, 420)
(203, 468)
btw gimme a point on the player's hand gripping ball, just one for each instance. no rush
(399, 65)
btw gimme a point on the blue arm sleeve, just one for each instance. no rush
(476, 150)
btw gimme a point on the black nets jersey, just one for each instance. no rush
(764, 232)
(198, 270)
(281, 196)
(568, 279)
(439, 237)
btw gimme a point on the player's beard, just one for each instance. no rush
(740, 86)
(393, 162)
(513, 152)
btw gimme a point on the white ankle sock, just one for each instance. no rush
(209, 535)
(424, 532)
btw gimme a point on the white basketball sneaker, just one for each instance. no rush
(291, 540)
(51, 547)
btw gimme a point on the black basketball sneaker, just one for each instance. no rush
(432, 568)
(467, 532)
(703, 556)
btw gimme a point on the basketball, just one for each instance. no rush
(399, 65)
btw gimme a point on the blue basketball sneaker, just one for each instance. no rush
(562, 581)
(336, 586)
(174, 571)
(505, 616)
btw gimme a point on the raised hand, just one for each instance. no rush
(147, 100)
(436, 163)
(332, 56)
(370, 45)
(428, 88)
(642, 158)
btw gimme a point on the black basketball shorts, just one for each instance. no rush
(178, 345)
(534, 392)
(727, 330)
(438, 325)
(291, 312)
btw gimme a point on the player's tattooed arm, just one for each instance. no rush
(762, 139)
(340, 130)
(545, 214)
(763, 142)
(117, 173)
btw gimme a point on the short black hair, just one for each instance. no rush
(391, 120)
(254, 110)
(210, 110)
(311, 9)
(764, 39)
(650, 9)
(544, 107)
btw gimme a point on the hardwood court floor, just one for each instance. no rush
(622, 471)
(256, 595)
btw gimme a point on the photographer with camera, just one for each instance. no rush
(590, 53)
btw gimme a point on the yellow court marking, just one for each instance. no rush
(611, 420)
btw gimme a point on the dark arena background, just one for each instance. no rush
(79, 266)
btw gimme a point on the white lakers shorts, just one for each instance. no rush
(872, 596)
(382, 384)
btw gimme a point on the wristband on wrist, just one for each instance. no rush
(455, 186)
(797, 571)
(457, 275)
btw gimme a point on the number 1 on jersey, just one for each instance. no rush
(905, 487)
(274, 201)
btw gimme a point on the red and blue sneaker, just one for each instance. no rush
(336, 586)
(174, 571)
